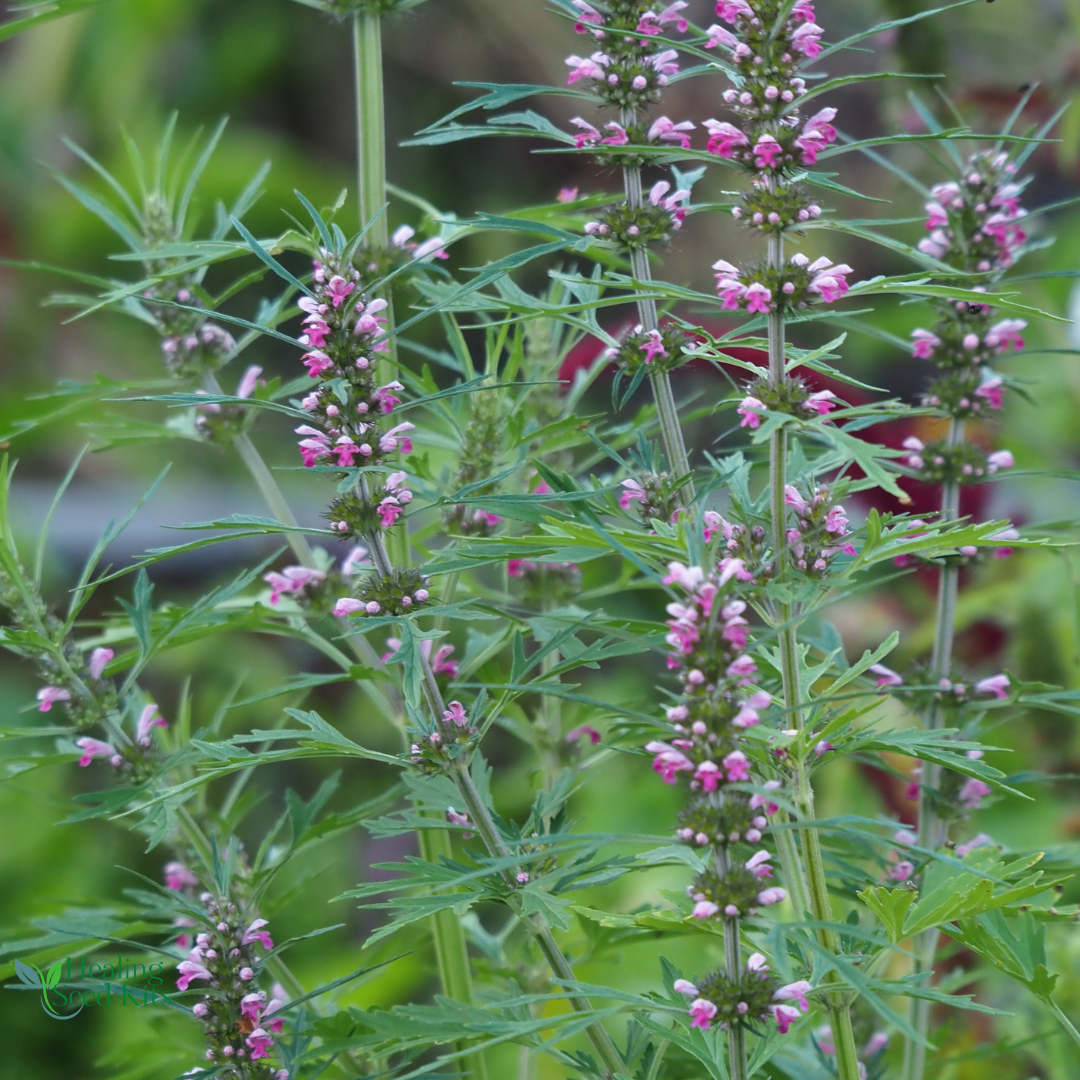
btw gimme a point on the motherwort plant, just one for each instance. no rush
(491, 547)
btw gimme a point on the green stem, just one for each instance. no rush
(933, 830)
(536, 925)
(733, 962)
(1066, 1023)
(666, 410)
(814, 887)
(370, 127)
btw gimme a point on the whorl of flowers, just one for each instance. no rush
(820, 530)
(237, 1017)
(976, 225)
(628, 71)
(348, 408)
(708, 637)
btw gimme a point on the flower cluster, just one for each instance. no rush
(238, 1018)
(762, 288)
(654, 496)
(792, 397)
(348, 407)
(662, 349)
(191, 344)
(629, 68)
(821, 526)
(708, 637)
(751, 999)
(747, 547)
(433, 752)
(400, 592)
(637, 227)
(975, 225)
(221, 423)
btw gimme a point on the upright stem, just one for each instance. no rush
(370, 126)
(733, 963)
(933, 831)
(812, 893)
(666, 409)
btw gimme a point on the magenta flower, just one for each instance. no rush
(817, 133)
(49, 695)
(348, 606)
(252, 1006)
(585, 731)
(455, 818)
(665, 130)
(95, 748)
(702, 1013)
(255, 932)
(724, 138)
(737, 766)
(1000, 459)
(317, 362)
(807, 40)
(177, 875)
(588, 135)
(767, 152)
(685, 987)
(925, 344)
(719, 36)
(389, 510)
(759, 866)
(248, 381)
(796, 992)
(260, 1043)
(998, 685)
(669, 762)
(768, 897)
(822, 402)
(149, 719)
(653, 345)
(455, 714)
(758, 299)
(963, 850)
(902, 871)
(730, 10)
(99, 660)
(633, 492)
(618, 136)
(1006, 333)
(750, 409)
(704, 909)
(591, 68)
(189, 971)
(886, 676)
(992, 392)
(973, 792)
(339, 290)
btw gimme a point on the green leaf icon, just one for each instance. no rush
(29, 975)
(52, 976)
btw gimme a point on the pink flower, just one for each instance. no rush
(664, 64)
(1006, 333)
(455, 818)
(758, 801)
(177, 875)
(567, 195)
(339, 290)
(704, 909)
(817, 133)
(973, 792)
(49, 695)
(685, 987)
(702, 1013)
(395, 439)
(665, 130)
(587, 14)
(348, 606)
(750, 409)
(768, 897)
(249, 381)
(759, 866)
(592, 68)
(1000, 459)
(99, 659)
(730, 10)
(767, 152)
(719, 36)
(758, 299)
(689, 577)
(821, 403)
(748, 715)
(886, 676)
(95, 748)
(634, 493)
(293, 579)
(785, 1016)
(673, 14)
(925, 344)
(796, 992)
(794, 499)
(807, 40)
(252, 1006)
(587, 136)
(830, 282)
(317, 362)
(653, 346)
(738, 767)
(255, 932)
(386, 398)
(669, 762)
(149, 718)
(938, 217)
(823, 747)
(389, 510)
(260, 1044)
(618, 136)
(998, 685)
(993, 392)
(707, 775)
(585, 731)
(916, 446)
(724, 138)
(455, 714)
(902, 871)
(189, 971)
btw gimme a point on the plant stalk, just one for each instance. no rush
(733, 963)
(933, 831)
(666, 410)
(813, 889)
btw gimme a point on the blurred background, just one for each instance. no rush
(282, 73)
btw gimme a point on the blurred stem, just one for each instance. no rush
(536, 924)
(733, 962)
(812, 890)
(1065, 1022)
(666, 410)
(933, 831)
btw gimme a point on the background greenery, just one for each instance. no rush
(282, 73)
